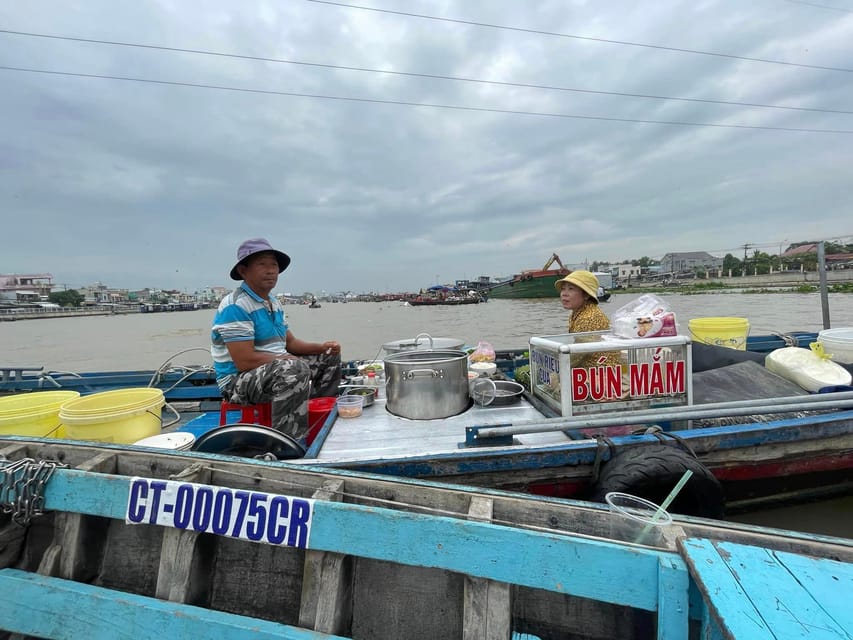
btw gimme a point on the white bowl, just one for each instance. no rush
(483, 368)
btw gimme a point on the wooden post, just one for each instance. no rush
(72, 556)
(326, 603)
(177, 581)
(487, 613)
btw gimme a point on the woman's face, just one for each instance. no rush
(572, 296)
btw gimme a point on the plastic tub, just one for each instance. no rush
(124, 416)
(349, 406)
(34, 414)
(721, 332)
(838, 343)
(318, 411)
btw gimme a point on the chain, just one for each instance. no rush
(22, 487)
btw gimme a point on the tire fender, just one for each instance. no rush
(652, 471)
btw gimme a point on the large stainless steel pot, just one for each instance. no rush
(423, 341)
(425, 385)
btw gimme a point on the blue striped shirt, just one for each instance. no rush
(242, 315)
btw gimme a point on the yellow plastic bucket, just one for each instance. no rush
(34, 414)
(123, 416)
(722, 332)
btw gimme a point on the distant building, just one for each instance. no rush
(98, 293)
(690, 261)
(628, 272)
(25, 287)
(800, 251)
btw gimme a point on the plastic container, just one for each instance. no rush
(722, 332)
(318, 412)
(34, 414)
(838, 344)
(636, 520)
(123, 416)
(176, 441)
(349, 406)
(806, 368)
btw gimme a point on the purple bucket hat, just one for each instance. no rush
(256, 245)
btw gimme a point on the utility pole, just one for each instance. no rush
(745, 247)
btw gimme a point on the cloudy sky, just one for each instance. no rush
(155, 183)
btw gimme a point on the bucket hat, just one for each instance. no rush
(253, 246)
(585, 280)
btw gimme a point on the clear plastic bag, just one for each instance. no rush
(646, 317)
(484, 352)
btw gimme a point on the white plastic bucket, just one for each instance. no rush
(838, 344)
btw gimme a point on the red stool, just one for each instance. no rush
(249, 413)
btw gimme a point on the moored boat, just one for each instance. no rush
(137, 543)
(178, 383)
(750, 437)
(534, 283)
(438, 302)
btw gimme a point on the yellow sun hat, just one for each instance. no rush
(584, 280)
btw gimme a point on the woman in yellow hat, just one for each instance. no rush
(579, 294)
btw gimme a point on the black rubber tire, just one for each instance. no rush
(652, 471)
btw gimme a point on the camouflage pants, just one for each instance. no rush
(287, 384)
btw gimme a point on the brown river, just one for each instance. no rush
(146, 341)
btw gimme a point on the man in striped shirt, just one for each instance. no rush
(256, 356)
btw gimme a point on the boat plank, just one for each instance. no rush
(672, 596)
(755, 593)
(65, 610)
(586, 567)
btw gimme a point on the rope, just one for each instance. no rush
(600, 443)
(662, 435)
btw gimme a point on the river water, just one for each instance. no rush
(146, 341)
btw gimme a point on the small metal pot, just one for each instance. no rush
(426, 385)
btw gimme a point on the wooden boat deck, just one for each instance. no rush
(377, 433)
(756, 594)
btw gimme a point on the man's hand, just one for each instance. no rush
(331, 347)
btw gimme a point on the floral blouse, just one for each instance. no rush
(590, 317)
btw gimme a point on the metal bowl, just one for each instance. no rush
(368, 393)
(507, 392)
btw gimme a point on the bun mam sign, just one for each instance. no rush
(596, 372)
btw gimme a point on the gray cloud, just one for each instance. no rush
(140, 184)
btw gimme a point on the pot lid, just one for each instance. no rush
(423, 342)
